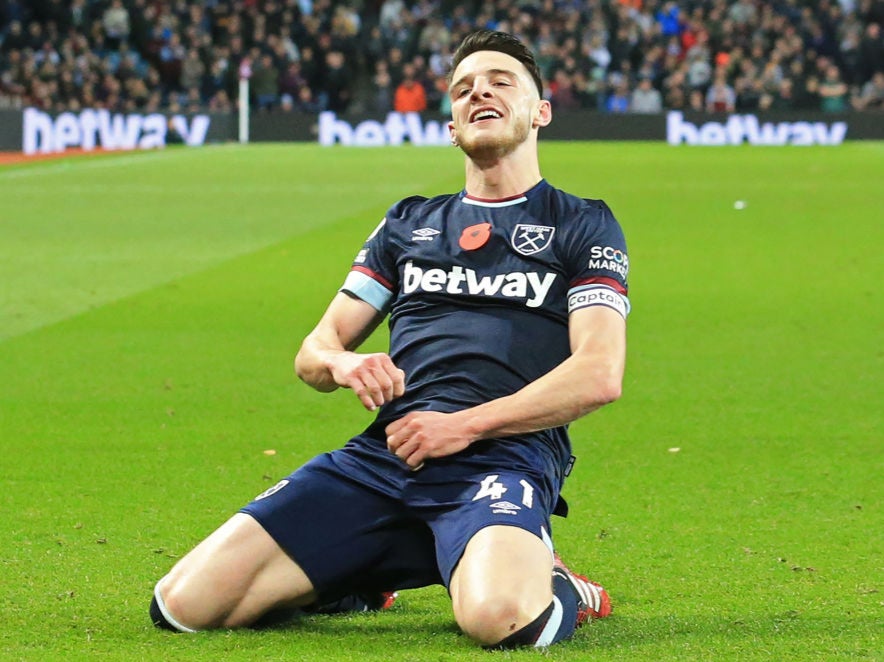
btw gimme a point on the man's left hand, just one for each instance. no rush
(421, 435)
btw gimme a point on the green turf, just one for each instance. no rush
(151, 305)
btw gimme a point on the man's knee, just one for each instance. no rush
(489, 621)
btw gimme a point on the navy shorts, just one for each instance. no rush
(358, 520)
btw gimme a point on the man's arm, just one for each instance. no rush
(590, 378)
(326, 359)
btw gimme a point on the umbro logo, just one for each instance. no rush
(424, 234)
(504, 507)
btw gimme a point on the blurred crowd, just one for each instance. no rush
(373, 56)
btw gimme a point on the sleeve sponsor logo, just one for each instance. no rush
(609, 259)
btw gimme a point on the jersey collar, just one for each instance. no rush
(503, 202)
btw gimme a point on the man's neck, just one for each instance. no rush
(503, 177)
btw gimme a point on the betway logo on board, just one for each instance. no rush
(98, 128)
(395, 130)
(746, 128)
(458, 280)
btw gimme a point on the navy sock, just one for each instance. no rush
(156, 615)
(161, 616)
(564, 591)
(557, 622)
(528, 635)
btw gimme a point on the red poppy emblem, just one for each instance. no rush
(475, 236)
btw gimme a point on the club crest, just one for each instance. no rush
(531, 239)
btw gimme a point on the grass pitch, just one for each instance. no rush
(731, 502)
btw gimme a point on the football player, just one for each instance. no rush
(506, 304)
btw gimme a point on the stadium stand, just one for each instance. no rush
(352, 55)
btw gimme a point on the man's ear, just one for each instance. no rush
(452, 134)
(542, 114)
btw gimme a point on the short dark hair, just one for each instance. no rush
(492, 40)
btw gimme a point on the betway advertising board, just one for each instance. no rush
(739, 129)
(674, 127)
(33, 131)
(714, 131)
(89, 129)
(396, 129)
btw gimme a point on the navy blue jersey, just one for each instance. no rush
(479, 292)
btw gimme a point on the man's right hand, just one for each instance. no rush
(374, 378)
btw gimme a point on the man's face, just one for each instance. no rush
(494, 104)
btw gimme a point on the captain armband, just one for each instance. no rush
(365, 285)
(597, 295)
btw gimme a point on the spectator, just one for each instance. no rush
(833, 91)
(743, 13)
(435, 37)
(748, 92)
(599, 53)
(871, 97)
(849, 52)
(265, 83)
(669, 18)
(305, 101)
(410, 96)
(646, 98)
(292, 80)
(14, 39)
(220, 102)
(721, 97)
(337, 83)
(373, 47)
(562, 93)
(171, 58)
(590, 89)
(192, 71)
(115, 21)
(310, 68)
(382, 101)
(136, 93)
(783, 99)
(286, 103)
(35, 36)
(173, 136)
(219, 78)
(681, 44)
(871, 52)
(618, 99)
(699, 72)
(675, 90)
(391, 11)
(395, 64)
(809, 95)
(444, 107)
